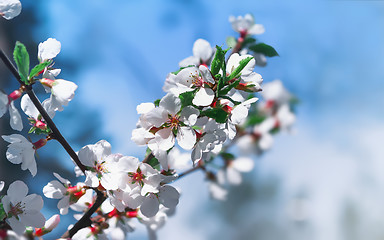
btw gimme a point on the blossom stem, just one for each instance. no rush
(56, 133)
(85, 220)
(191, 171)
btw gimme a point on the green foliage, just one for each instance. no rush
(3, 215)
(254, 119)
(216, 113)
(248, 40)
(227, 156)
(218, 60)
(154, 163)
(21, 57)
(265, 49)
(242, 64)
(228, 88)
(38, 68)
(186, 98)
(157, 102)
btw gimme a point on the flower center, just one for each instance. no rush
(197, 81)
(16, 210)
(137, 176)
(173, 122)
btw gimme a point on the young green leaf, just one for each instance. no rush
(187, 98)
(218, 60)
(21, 58)
(228, 88)
(38, 68)
(157, 102)
(216, 113)
(242, 64)
(265, 49)
(227, 156)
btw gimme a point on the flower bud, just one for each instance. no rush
(47, 82)
(50, 224)
(15, 95)
(39, 144)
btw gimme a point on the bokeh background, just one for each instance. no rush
(325, 181)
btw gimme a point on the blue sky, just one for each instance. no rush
(331, 58)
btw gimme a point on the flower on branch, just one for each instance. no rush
(21, 209)
(246, 25)
(6, 103)
(202, 54)
(20, 150)
(62, 92)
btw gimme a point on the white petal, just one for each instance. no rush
(150, 206)
(10, 8)
(33, 203)
(171, 103)
(3, 103)
(186, 137)
(203, 97)
(165, 139)
(192, 60)
(169, 196)
(17, 191)
(144, 108)
(256, 29)
(54, 189)
(157, 116)
(28, 107)
(233, 176)
(202, 49)
(1, 185)
(243, 164)
(16, 226)
(206, 74)
(48, 49)
(189, 115)
(15, 121)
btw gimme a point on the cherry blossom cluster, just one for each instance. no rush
(209, 108)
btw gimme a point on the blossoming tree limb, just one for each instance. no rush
(208, 109)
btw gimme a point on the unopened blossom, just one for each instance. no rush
(246, 25)
(49, 225)
(192, 78)
(171, 123)
(202, 54)
(10, 8)
(21, 209)
(6, 103)
(62, 92)
(103, 168)
(64, 191)
(20, 150)
(231, 173)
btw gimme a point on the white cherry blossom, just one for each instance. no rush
(48, 49)
(21, 209)
(246, 25)
(62, 92)
(231, 173)
(20, 150)
(10, 8)
(202, 54)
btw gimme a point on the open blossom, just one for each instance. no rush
(246, 25)
(103, 167)
(62, 92)
(171, 124)
(202, 54)
(154, 223)
(21, 209)
(20, 150)
(6, 103)
(89, 233)
(10, 8)
(274, 93)
(192, 78)
(64, 191)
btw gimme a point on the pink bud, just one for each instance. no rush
(40, 143)
(52, 223)
(41, 125)
(47, 82)
(15, 95)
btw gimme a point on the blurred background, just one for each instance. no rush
(325, 181)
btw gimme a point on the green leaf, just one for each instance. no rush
(157, 102)
(225, 90)
(218, 60)
(248, 40)
(186, 98)
(154, 163)
(216, 113)
(264, 49)
(242, 64)
(254, 120)
(2, 212)
(227, 156)
(38, 68)
(231, 42)
(21, 58)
